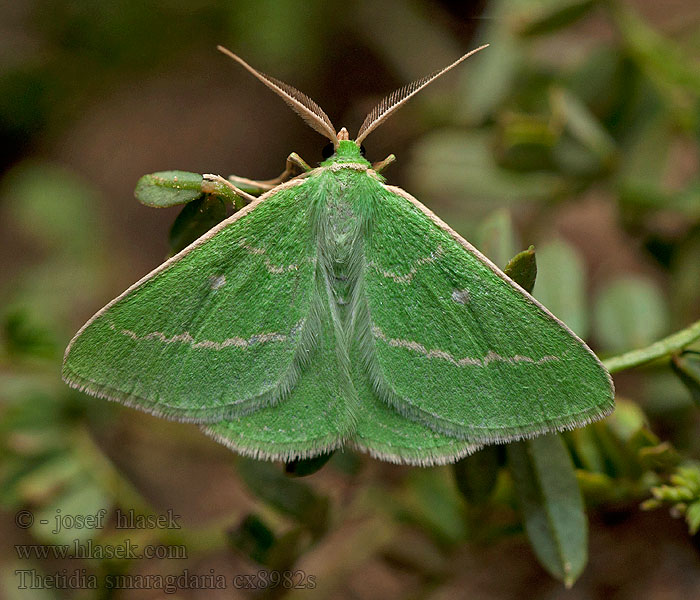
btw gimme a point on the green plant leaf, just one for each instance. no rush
(308, 466)
(556, 17)
(687, 366)
(583, 126)
(526, 142)
(496, 237)
(25, 335)
(476, 475)
(497, 70)
(630, 313)
(289, 496)
(649, 199)
(599, 80)
(550, 499)
(586, 449)
(83, 497)
(627, 419)
(522, 269)
(433, 501)
(692, 516)
(253, 538)
(168, 188)
(453, 164)
(658, 56)
(619, 458)
(194, 220)
(646, 150)
(561, 284)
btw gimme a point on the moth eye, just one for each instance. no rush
(362, 150)
(328, 151)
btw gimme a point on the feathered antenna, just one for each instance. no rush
(396, 99)
(300, 103)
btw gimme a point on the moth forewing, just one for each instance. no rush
(161, 346)
(475, 356)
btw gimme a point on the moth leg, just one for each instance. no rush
(381, 165)
(212, 178)
(297, 162)
(294, 167)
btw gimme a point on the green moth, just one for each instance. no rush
(336, 310)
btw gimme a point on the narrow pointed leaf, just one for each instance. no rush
(253, 538)
(496, 237)
(308, 466)
(551, 503)
(289, 496)
(195, 219)
(582, 125)
(557, 17)
(561, 284)
(476, 475)
(630, 313)
(687, 366)
(434, 503)
(586, 449)
(496, 71)
(522, 269)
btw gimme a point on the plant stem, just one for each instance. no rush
(672, 343)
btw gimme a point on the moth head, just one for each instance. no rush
(343, 139)
(314, 116)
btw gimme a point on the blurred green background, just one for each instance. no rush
(577, 131)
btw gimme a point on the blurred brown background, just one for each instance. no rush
(580, 125)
